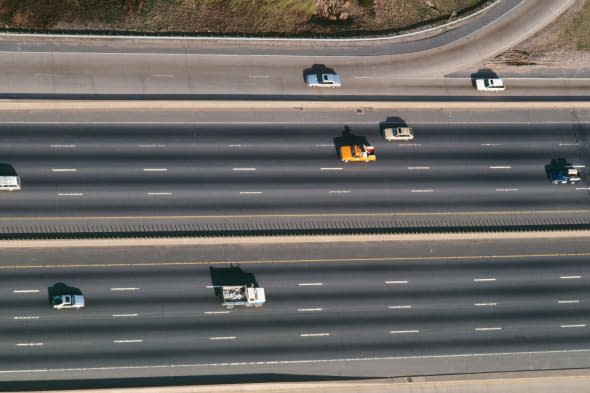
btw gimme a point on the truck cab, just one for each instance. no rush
(9, 180)
(357, 153)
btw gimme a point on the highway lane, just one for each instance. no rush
(369, 308)
(215, 169)
(141, 67)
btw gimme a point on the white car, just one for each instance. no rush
(323, 80)
(398, 134)
(491, 84)
(67, 301)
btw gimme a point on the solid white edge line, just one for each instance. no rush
(287, 362)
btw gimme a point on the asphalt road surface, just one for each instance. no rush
(428, 307)
(117, 170)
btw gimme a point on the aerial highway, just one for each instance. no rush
(356, 309)
(183, 170)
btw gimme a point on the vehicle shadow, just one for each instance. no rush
(347, 138)
(554, 165)
(61, 289)
(7, 169)
(483, 73)
(232, 275)
(317, 69)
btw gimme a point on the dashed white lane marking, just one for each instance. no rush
(429, 190)
(309, 309)
(410, 144)
(578, 166)
(127, 341)
(324, 145)
(363, 77)
(259, 76)
(569, 277)
(163, 75)
(63, 146)
(331, 169)
(29, 344)
(223, 338)
(27, 317)
(159, 193)
(152, 145)
(397, 282)
(501, 167)
(484, 279)
(26, 291)
(403, 331)
(243, 169)
(250, 192)
(487, 329)
(569, 144)
(44, 74)
(125, 289)
(124, 315)
(404, 307)
(70, 194)
(573, 301)
(418, 168)
(491, 144)
(582, 188)
(340, 192)
(155, 169)
(64, 170)
(314, 334)
(579, 325)
(217, 312)
(506, 189)
(310, 284)
(484, 304)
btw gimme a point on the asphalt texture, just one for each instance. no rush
(368, 309)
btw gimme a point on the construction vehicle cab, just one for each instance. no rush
(357, 153)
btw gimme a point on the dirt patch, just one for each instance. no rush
(564, 43)
(280, 17)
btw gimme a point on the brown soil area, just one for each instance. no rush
(227, 16)
(566, 42)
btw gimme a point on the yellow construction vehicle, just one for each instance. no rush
(357, 153)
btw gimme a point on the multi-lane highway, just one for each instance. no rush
(366, 304)
(211, 169)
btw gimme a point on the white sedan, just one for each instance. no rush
(492, 84)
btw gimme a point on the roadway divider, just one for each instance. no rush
(199, 104)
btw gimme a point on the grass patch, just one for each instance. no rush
(579, 30)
